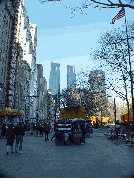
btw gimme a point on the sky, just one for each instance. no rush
(69, 40)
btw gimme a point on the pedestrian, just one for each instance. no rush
(55, 130)
(87, 130)
(46, 129)
(41, 131)
(33, 126)
(51, 129)
(19, 132)
(3, 131)
(37, 129)
(83, 134)
(10, 138)
(25, 127)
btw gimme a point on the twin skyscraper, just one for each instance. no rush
(54, 80)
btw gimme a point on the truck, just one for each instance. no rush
(72, 112)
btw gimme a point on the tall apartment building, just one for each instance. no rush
(44, 102)
(27, 37)
(49, 105)
(42, 93)
(18, 41)
(54, 83)
(71, 77)
(8, 51)
(97, 81)
(22, 99)
(54, 80)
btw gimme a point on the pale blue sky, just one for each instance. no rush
(67, 40)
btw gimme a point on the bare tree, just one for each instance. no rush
(112, 55)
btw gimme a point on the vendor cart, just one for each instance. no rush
(63, 132)
(78, 124)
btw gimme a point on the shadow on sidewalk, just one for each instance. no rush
(4, 175)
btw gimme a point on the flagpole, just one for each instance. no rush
(131, 77)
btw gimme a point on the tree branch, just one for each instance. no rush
(110, 1)
(120, 1)
(112, 5)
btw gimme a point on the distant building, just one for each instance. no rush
(54, 80)
(54, 84)
(97, 81)
(42, 93)
(44, 102)
(49, 105)
(71, 77)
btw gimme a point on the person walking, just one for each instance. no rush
(41, 131)
(46, 129)
(19, 132)
(55, 130)
(37, 129)
(3, 131)
(83, 134)
(10, 138)
(25, 127)
(52, 128)
(87, 131)
(33, 126)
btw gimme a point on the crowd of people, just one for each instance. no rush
(11, 133)
(18, 131)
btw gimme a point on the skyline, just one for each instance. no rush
(69, 41)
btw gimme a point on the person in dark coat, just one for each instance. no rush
(83, 134)
(25, 127)
(33, 126)
(87, 130)
(37, 129)
(41, 130)
(55, 130)
(3, 130)
(46, 129)
(19, 132)
(10, 138)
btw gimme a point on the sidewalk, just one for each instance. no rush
(98, 158)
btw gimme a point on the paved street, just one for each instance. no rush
(98, 158)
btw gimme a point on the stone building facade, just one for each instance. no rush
(18, 42)
(42, 93)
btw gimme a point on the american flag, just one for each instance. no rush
(120, 14)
